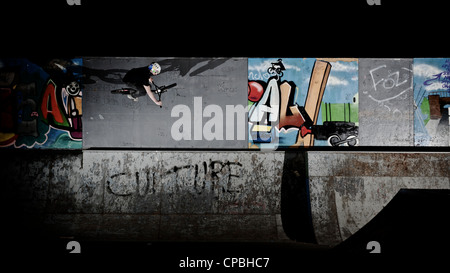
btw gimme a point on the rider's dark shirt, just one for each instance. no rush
(138, 76)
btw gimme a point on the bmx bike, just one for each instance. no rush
(158, 90)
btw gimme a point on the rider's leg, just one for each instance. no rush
(133, 91)
(138, 92)
(132, 98)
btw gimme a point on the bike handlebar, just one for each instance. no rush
(156, 91)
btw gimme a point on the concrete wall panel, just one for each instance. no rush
(113, 120)
(105, 195)
(386, 102)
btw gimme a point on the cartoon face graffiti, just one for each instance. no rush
(41, 105)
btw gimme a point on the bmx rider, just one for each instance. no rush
(140, 79)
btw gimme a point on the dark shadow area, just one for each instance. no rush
(295, 202)
(414, 222)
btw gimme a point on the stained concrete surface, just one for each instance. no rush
(156, 196)
(207, 196)
(348, 189)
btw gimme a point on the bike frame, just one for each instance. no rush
(159, 90)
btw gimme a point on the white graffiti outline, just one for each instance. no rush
(388, 99)
(395, 83)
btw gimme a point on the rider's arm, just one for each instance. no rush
(151, 95)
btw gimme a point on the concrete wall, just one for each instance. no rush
(315, 197)
(154, 196)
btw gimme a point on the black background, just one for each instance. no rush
(395, 29)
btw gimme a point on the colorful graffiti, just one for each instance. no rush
(302, 102)
(292, 102)
(432, 101)
(40, 104)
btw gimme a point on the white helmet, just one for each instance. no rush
(155, 68)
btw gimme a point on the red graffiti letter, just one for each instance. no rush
(49, 103)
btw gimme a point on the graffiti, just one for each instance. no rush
(147, 186)
(385, 94)
(431, 101)
(63, 112)
(218, 174)
(388, 86)
(443, 78)
(282, 116)
(41, 105)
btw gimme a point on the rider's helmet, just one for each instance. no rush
(155, 68)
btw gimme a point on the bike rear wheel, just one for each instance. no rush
(125, 91)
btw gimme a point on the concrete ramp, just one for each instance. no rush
(415, 222)
(202, 111)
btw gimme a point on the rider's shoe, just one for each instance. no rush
(132, 98)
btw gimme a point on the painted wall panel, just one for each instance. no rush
(432, 101)
(40, 103)
(297, 102)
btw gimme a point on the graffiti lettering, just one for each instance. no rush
(50, 105)
(387, 81)
(267, 108)
(216, 172)
(389, 85)
(140, 187)
(443, 77)
(61, 108)
(295, 119)
(275, 109)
